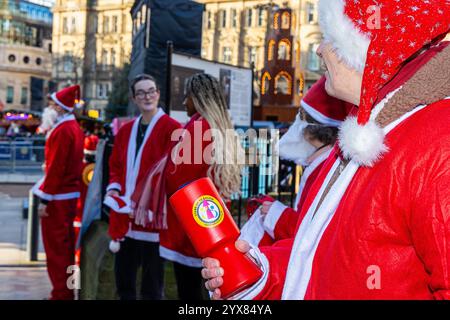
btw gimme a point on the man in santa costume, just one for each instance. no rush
(59, 189)
(138, 146)
(308, 143)
(377, 219)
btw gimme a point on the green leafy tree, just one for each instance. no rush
(118, 97)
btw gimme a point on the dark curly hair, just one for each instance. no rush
(326, 135)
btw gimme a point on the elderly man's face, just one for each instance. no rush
(342, 81)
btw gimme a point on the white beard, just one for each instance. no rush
(49, 119)
(293, 145)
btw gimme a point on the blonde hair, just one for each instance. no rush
(209, 102)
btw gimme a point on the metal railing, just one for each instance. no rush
(21, 155)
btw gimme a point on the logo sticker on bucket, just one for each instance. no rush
(207, 211)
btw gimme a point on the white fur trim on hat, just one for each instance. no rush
(59, 103)
(350, 43)
(114, 246)
(363, 144)
(323, 119)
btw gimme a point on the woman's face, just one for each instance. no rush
(342, 81)
(189, 105)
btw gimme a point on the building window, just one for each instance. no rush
(227, 54)
(24, 96)
(283, 83)
(310, 12)
(65, 26)
(104, 59)
(74, 25)
(249, 17)
(234, 18)
(261, 13)
(11, 58)
(38, 61)
(252, 54)
(313, 58)
(284, 50)
(285, 20)
(113, 58)
(115, 24)
(223, 19)
(102, 90)
(209, 20)
(271, 49)
(106, 25)
(26, 59)
(10, 94)
(68, 61)
(276, 23)
(265, 83)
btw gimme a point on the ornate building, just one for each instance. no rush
(278, 76)
(236, 32)
(91, 39)
(25, 54)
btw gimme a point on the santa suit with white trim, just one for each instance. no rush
(376, 220)
(129, 169)
(60, 189)
(281, 220)
(175, 244)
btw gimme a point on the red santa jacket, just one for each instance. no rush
(63, 162)
(389, 237)
(175, 245)
(382, 232)
(128, 170)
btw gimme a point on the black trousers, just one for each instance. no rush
(132, 254)
(190, 283)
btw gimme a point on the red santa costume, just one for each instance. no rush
(281, 220)
(175, 244)
(128, 171)
(60, 189)
(377, 220)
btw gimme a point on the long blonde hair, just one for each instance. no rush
(209, 102)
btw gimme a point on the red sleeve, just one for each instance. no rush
(117, 164)
(278, 257)
(61, 144)
(287, 224)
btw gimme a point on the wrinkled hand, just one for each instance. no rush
(212, 272)
(42, 210)
(265, 207)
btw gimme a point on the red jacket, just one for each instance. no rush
(63, 162)
(128, 170)
(175, 245)
(392, 223)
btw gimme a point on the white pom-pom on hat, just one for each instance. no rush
(114, 246)
(363, 144)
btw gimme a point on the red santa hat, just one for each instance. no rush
(324, 108)
(119, 220)
(376, 37)
(67, 98)
(90, 144)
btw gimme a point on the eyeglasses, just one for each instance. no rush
(143, 94)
